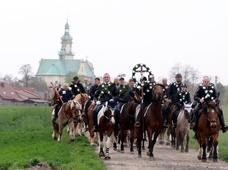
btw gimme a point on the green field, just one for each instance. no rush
(25, 141)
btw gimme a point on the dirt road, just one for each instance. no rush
(166, 158)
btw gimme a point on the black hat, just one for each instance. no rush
(121, 78)
(75, 78)
(184, 85)
(178, 75)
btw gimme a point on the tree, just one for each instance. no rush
(26, 71)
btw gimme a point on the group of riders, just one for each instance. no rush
(120, 92)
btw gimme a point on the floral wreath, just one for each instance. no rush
(141, 65)
(147, 84)
(105, 89)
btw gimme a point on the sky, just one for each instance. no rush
(115, 35)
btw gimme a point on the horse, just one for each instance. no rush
(92, 136)
(68, 111)
(81, 98)
(153, 120)
(208, 126)
(183, 127)
(106, 122)
(127, 121)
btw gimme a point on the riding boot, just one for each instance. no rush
(137, 121)
(221, 120)
(95, 128)
(117, 121)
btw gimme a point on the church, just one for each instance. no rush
(56, 70)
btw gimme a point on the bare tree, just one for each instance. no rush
(26, 71)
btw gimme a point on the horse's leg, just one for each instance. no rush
(178, 138)
(187, 142)
(204, 156)
(131, 140)
(55, 129)
(107, 144)
(101, 144)
(71, 131)
(182, 136)
(150, 151)
(60, 131)
(215, 151)
(139, 139)
(122, 141)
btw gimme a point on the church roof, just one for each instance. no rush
(57, 67)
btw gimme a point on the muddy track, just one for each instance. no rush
(165, 158)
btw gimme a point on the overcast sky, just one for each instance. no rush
(120, 33)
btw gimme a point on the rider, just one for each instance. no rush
(183, 96)
(165, 98)
(173, 93)
(105, 92)
(65, 95)
(206, 91)
(76, 86)
(145, 89)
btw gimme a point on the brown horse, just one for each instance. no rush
(153, 119)
(208, 126)
(81, 98)
(92, 135)
(66, 114)
(127, 121)
(106, 122)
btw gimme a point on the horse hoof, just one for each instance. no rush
(215, 160)
(107, 158)
(151, 158)
(167, 144)
(101, 154)
(199, 157)
(139, 156)
(121, 151)
(204, 160)
(161, 142)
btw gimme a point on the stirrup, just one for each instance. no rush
(137, 124)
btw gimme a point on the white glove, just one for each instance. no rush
(98, 102)
(111, 100)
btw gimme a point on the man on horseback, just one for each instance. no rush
(183, 96)
(65, 95)
(76, 86)
(106, 91)
(206, 92)
(145, 87)
(173, 93)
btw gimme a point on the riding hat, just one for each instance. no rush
(75, 78)
(121, 78)
(184, 85)
(178, 75)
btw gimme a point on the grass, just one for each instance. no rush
(26, 141)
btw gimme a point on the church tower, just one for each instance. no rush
(66, 49)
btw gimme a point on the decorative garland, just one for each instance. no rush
(208, 92)
(105, 89)
(123, 90)
(141, 65)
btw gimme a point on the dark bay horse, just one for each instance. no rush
(208, 126)
(127, 121)
(153, 120)
(106, 122)
(183, 127)
(67, 113)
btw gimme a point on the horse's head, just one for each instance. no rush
(212, 113)
(188, 111)
(157, 93)
(81, 98)
(76, 109)
(109, 111)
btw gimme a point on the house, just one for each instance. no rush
(56, 70)
(10, 95)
